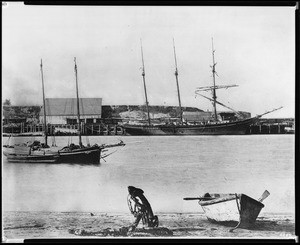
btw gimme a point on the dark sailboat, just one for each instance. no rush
(212, 127)
(79, 153)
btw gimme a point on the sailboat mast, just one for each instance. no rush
(44, 105)
(214, 81)
(78, 112)
(176, 75)
(143, 74)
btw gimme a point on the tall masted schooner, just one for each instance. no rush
(238, 126)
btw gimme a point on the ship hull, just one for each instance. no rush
(231, 128)
(89, 155)
(25, 158)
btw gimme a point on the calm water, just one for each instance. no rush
(167, 168)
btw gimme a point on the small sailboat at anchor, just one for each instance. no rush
(42, 153)
(238, 210)
(79, 153)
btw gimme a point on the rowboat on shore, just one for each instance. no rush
(237, 210)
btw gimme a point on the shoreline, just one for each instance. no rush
(26, 225)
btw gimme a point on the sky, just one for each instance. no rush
(254, 48)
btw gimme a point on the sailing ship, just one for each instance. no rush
(239, 126)
(41, 152)
(238, 210)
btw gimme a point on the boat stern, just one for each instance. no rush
(249, 210)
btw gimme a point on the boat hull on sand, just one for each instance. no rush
(238, 210)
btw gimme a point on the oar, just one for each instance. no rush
(191, 198)
(197, 198)
(264, 196)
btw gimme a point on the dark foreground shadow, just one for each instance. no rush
(263, 225)
(285, 225)
(269, 225)
(123, 232)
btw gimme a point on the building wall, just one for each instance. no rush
(64, 119)
(64, 110)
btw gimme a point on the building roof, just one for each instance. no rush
(68, 106)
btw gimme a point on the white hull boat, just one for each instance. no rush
(239, 210)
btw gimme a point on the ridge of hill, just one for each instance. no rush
(108, 111)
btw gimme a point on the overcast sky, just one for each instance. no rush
(255, 49)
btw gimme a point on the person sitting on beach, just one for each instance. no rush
(140, 208)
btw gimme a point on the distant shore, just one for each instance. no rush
(26, 225)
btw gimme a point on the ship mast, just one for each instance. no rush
(214, 81)
(214, 88)
(176, 75)
(44, 105)
(78, 112)
(143, 74)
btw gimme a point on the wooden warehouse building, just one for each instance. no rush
(64, 110)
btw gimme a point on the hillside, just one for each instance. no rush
(108, 111)
(140, 111)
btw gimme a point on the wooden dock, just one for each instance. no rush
(22, 129)
(63, 129)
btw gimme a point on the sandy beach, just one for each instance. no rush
(27, 225)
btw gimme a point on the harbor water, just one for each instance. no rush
(167, 168)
